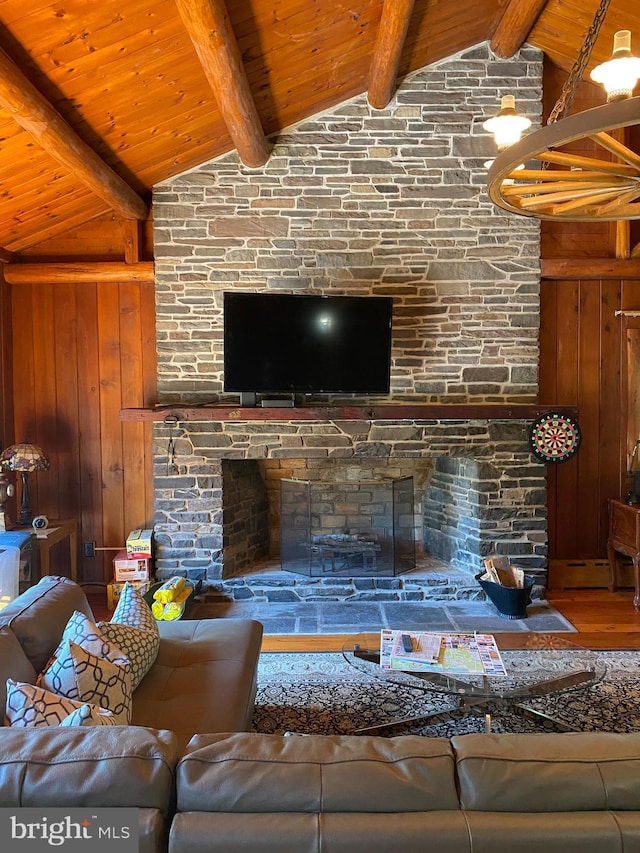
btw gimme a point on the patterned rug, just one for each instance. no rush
(319, 693)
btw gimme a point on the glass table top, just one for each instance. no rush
(536, 665)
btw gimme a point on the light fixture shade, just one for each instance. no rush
(621, 73)
(507, 126)
(24, 457)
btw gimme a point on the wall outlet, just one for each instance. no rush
(89, 549)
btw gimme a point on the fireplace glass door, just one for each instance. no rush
(347, 529)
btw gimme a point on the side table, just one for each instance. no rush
(57, 532)
(624, 538)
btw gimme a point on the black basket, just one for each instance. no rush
(510, 602)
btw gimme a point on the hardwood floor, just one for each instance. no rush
(604, 620)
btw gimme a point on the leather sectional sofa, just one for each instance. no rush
(201, 782)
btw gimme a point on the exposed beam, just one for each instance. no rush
(36, 115)
(589, 268)
(77, 273)
(209, 28)
(392, 32)
(6, 256)
(623, 239)
(131, 230)
(515, 24)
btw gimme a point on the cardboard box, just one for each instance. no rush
(115, 589)
(126, 568)
(139, 543)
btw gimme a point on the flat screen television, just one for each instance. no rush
(306, 344)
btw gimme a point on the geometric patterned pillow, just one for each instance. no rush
(29, 706)
(89, 715)
(59, 675)
(133, 610)
(139, 646)
(82, 631)
(77, 674)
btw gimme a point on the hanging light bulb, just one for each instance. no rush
(507, 127)
(620, 74)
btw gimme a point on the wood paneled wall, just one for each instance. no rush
(583, 355)
(81, 352)
(582, 350)
(6, 361)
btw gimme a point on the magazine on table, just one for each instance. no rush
(451, 653)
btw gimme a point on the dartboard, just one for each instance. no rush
(554, 437)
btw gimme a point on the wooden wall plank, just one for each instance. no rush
(567, 348)
(611, 420)
(135, 485)
(6, 367)
(24, 307)
(93, 569)
(587, 462)
(548, 388)
(110, 395)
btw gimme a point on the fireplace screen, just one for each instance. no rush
(348, 529)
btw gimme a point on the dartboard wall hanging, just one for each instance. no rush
(554, 437)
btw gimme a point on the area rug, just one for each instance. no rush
(319, 693)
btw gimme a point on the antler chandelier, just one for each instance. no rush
(534, 176)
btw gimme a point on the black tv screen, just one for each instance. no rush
(305, 344)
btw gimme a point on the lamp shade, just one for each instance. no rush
(24, 457)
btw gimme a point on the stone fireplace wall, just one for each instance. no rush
(362, 202)
(356, 201)
(481, 492)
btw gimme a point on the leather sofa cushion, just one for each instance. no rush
(271, 773)
(203, 680)
(38, 617)
(309, 832)
(553, 832)
(582, 771)
(108, 766)
(13, 664)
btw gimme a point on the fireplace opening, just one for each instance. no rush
(347, 528)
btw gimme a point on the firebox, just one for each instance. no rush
(347, 528)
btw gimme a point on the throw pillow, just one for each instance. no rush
(139, 646)
(133, 628)
(77, 674)
(89, 715)
(83, 631)
(59, 673)
(133, 610)
(29, 706)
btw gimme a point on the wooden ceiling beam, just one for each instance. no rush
(78, 273)
(209, 28)
(392, 33)
(516, 22)
(35, 114)
(576, 269)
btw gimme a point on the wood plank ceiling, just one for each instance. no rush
(99, 101)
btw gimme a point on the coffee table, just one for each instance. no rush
(536, 664)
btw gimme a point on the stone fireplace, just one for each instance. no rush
(359, 202)
(477, 489)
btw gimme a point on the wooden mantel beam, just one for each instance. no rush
(35, 114)
(209, 28)
(516, 22)
(392, 32)
(78, 273)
